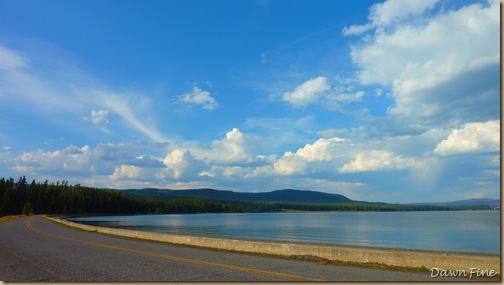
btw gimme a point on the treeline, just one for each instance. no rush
(371, 207)
(20, 197)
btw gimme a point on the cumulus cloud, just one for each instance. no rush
(181, 161)
(308, 92)
(389, 12)
(103, 159)
(146, 161)
(321, 150)
(234, 148)
(336, 156)
(289, 164)
(377, 160)
(98, 116)
(222, 158)
(126, 172)
(329, 95)
(438, 65)
(472, 138)
(71, 160)
(199, 97)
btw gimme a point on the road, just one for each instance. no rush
(34, 249)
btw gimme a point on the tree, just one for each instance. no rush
(27, 209)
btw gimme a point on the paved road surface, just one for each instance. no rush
(34, 249)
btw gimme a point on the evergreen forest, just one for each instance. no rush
(20, 197)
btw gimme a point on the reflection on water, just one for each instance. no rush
(471, 231)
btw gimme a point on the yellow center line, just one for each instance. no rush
(182, 259)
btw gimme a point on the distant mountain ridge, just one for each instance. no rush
(285, 195)
(468, 202)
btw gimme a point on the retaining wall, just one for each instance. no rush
(395, 257)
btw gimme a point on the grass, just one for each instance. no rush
(6, 218)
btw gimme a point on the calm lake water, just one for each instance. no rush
(468, 231)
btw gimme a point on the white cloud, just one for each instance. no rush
(377, 160)
(356, 29)
(181, 162)
(64, 92)
(378, 92)
(472, 138)
(308, 92)
(146, 161)
(121, 105)
(321, 150)
(126, 172)
(424, 48)
(385, 14)
(233, 148)
(72, 160)
(288, 164)
(346, 97)
(391, 11)
(99, 116)
(438, 65)
(103, 159)
(199, 97)
(319, 91)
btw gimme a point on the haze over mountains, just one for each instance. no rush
(285, 195)
(468, 202)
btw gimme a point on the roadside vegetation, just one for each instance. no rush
(23, 198)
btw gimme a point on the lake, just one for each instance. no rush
(466, 231)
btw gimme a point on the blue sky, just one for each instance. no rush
(394, 101)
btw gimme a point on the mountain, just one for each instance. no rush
(469, 202)
(286, 195)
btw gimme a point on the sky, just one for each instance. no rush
(394, 101)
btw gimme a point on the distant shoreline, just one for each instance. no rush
(282, 211)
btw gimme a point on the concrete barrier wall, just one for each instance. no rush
(395, 257)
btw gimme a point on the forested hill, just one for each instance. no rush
(285, 196)
(21, 197)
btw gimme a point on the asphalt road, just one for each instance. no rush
(34, 249)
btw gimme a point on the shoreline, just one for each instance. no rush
(407, 258)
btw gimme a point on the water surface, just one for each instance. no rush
(468, 231)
